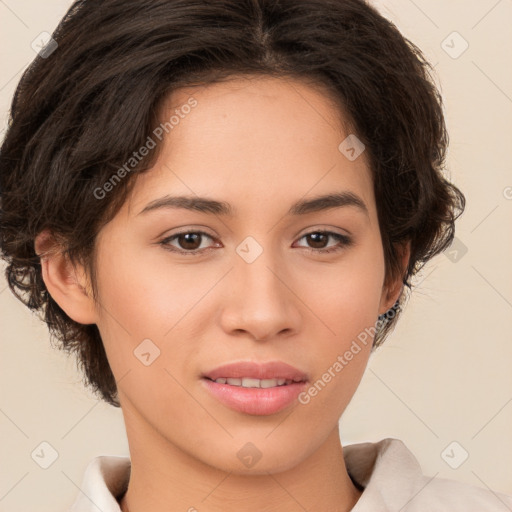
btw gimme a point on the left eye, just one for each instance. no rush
(319, 237)
(190, 242)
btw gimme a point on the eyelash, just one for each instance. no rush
(344, 240)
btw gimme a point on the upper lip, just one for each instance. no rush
(254, 370)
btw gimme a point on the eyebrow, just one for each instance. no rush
(301, 207)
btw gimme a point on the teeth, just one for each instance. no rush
(247, 382)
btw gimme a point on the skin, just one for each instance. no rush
(260, 145)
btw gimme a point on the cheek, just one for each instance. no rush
(347, 303)
(347, 294)
(145, 324)
(144, 298)
(148, 295)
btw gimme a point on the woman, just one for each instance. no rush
(219, 205)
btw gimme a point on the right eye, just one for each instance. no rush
(189, 242)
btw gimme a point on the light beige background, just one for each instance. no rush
(445, 373)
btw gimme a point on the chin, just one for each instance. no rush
(248, 459)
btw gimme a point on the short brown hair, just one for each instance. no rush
(79, 113)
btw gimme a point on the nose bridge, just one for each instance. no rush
(256, 268)
(261, 303)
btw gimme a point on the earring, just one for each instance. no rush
(391, 312)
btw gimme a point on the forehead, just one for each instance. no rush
(257, 139)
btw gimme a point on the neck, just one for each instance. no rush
(165, 478)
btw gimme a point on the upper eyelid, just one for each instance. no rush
(321, 227)
(326, 230)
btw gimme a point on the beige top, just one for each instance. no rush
(389, 473)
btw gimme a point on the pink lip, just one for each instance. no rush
(256, 401)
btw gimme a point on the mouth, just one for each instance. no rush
(255, 388)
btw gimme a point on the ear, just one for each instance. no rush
(393, 288)
(66, 282)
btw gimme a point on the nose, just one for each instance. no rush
(259, 300)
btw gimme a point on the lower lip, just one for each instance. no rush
(258, 401)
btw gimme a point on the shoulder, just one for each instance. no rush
(393, 480)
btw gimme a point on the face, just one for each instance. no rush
(183, 290)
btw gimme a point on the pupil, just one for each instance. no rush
(188, 237)
(315, 236)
